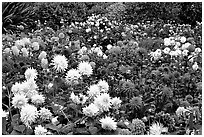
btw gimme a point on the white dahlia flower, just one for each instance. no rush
(45, 114)
(103, 102)
(60, 63)
(103, 86)
(31, 73)
(157, 129)
(16, 88)
(116, 102)
(167, 50)
(85, 68)
(108, 123)
(38, 99)
(39, 130)
(19, 101)
(94, 90)
(91, 110)
(29, 114)
(74, 98)
(72, 76)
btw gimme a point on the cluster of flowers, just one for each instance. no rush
(100, 101)
(27, 100)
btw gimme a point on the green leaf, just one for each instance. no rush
(67, 128)
(93, 130)
(16, 117)
(14, 132)
(20, 128)
(29, 131)
(4, 125)
(52, 127)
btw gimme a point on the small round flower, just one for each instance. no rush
(15, 50)
(105, 56)
(103, 86)
(61, 35)
(167, 50)
(39, 130)
(55, 121)
(108, 123)
(195, 66)
(100, 53)
(19, 44)
(35, 45)
(183, 39)
(26, 41)
(197, 50)
(185, 52)
(180, 111)
(124, 132)
(31, 73)
(157, 129)
(72, 76)
(103, 102)
(85, 68)
(28, 114)
(137, 127)
(185, 46)
(109, 46)
(116, 102)
(167, 41)
(94, 90)
(91, 110)
(42, 55)
(60, 63)
(7, 50)
(25, 52)
(19, 101)
(45, 114)
(44, 63)
(37, 99)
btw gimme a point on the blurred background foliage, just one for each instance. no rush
(29, 14)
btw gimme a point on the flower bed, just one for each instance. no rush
(103, 77)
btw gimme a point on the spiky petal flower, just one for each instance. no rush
(72, 76)
(31, 73)
(60, 63)
(157, 129)
(45, 114)
(29, 114)
(108, 123)
(38, 99)
(19, 101)
(103, 102)
(85, 68)
(116, 102)
(103, 85)
(93, 91)
(91, 110)
(39, 130)
(16, 88)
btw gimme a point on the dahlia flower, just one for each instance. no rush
(157, 129)
(197, 50)
(91, 110)
(167, 50)
(195, 66)
(103, 86)
(15, 50)
(25, 52)
(16, 88)
(45, 114)
(183, 39)
(39, 130)
(19, 101)
(103, 102)
(28, 114)
(72, 76)
(94, 90)
(116, 102)
(31, 73)
(42, 55)
(37, 99)
(108, 123)
(85, 68)
(74, 98)
(60, 63)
